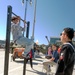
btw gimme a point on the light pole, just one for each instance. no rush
(47, 39)
(25, 14)
(35, 3)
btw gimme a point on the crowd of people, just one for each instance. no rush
(63, 56)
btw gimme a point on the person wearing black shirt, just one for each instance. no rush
(66, 63)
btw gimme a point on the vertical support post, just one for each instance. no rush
(25, 15)
(7, 47)
(27, 32)
(27, 35)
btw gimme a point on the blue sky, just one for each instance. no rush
(51, 17)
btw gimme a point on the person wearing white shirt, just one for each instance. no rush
(17, 33)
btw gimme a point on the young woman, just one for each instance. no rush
(18, 38)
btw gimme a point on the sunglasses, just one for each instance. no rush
(60, 34)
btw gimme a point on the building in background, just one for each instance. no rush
(2, 43)
(54, 40)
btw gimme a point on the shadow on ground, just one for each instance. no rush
(38, 72)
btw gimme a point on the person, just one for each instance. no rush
(16, 29)
(17, 33)
(59, 49)
(66, 63)
(52, 61)
(29, 57)
(49, 53)
(36, 50)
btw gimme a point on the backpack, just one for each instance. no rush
(73, 55)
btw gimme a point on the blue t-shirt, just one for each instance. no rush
(55, 55)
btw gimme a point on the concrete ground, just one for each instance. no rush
(16, 68)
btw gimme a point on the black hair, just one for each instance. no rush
(69, 32)
(54, 45)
